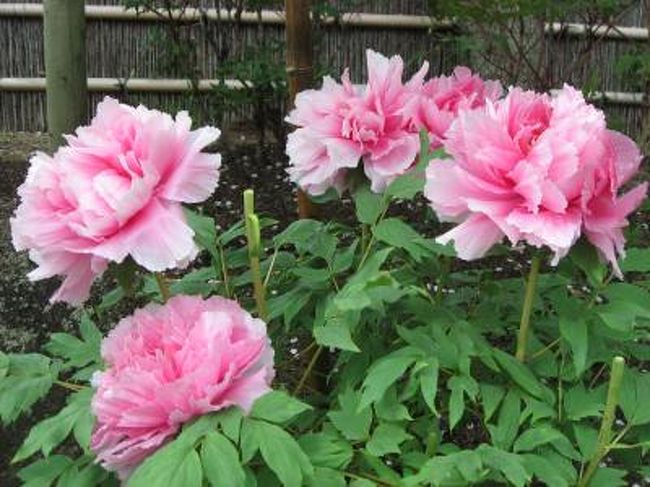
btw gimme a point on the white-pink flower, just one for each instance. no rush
(342, 124)
(437, 104)
(166, 365)
(114, 191)
(534, 168)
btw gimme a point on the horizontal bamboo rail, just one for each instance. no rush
(274, 17)
(112, 85)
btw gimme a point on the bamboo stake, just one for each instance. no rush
(65, 65)
(299, 67)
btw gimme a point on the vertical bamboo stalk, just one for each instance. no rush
(65, 65)
(299, 60)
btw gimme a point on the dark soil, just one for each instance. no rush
(25, 318)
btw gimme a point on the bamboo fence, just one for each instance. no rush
(123, 59)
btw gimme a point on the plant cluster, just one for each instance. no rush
(415, 368)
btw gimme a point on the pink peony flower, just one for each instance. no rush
(341, 124)
(437, 104)
(114, 191)
(536, 169)
(168, 364)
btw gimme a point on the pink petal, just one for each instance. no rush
(473, 238)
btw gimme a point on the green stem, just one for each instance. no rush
(308, 370)
(605, 434)
(258, 288)
(224, 271)
(163, 286)
(69, 385)
(529, 299)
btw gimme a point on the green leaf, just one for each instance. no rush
(635, 397)
(4, 365)
(407, 185)
(43, 472)
(336, 333)
(535, 437)
(220, 461)
(176, 463)
(368, 205)
(544, 470)
(505, 432)
(520, 374)
(326, 477)
(327, 449)
(278, 407)
(509, 464)
(78, 353)
(580, 403)
(395, 232)
(573, 328)
(636, 260)
(205, 230)
(386, 439)
(585, 256)
(608, 477)
(626, 303)
(349, 420)
(429, 383)
(385, 372)
(389, 408)
(586, 439)
(491, 396)
(282, 454)
(51, 432)
(28, 379)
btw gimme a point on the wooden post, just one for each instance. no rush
(299, 67)
(65, 65)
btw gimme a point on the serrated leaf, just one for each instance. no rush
(353, 423)
(51, 432)
(519, 373)
(535, 437)
(220, 461)
(395, 232)
(368, 205)
(509, 464)
(573, 328)
(544, 470)
(626, 302)
(586, 439)
(386, 438)
(327, 450)
(429, 383)
(635, 397)
(491, 396)
(205, 229)
(278, 407)
(505, 432)
(636, 260)
(43, 472)
(608, 477)
(580, 403)
(29, 378)
(384, 373)
(282, 454)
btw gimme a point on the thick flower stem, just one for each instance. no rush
(310, 367)
(254, 249)
(163, 285)
(529, 299)
(605, 434)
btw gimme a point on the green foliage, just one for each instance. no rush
(415, 381)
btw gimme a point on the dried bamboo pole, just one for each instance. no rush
(300, 74)
(65, 65)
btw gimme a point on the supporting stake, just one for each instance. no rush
(65, 66)
(299, 61)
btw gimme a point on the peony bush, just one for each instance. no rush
(346, 354)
